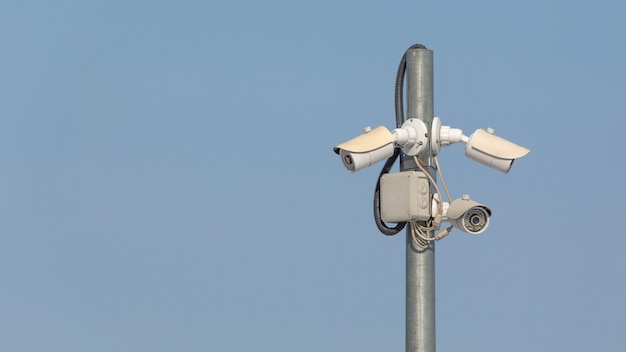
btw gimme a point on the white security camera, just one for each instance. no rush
(481, 146)
(493, 151)
(466, 215)
(367, 149)
(379, 144)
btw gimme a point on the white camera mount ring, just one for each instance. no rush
(435, 135)
(417, 138)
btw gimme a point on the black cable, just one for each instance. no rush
(399, 106)
(399, 92)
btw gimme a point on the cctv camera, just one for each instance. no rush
(493, 151)
(482, 146)
(354, 161)
(468, 215)
(367, 149)
(378, 144)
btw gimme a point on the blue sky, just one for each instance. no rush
(169, 184)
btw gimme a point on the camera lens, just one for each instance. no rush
(475, 219)
(347, 159)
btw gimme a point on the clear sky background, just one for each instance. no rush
(168, 181)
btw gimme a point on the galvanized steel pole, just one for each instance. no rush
(420, 264)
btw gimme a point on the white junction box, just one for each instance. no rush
(404, 196)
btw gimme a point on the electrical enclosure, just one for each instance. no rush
(404, 196)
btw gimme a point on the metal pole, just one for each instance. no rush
(420, 264)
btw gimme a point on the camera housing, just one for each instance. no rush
(367, 149)
(467, 215)
(493, 151)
